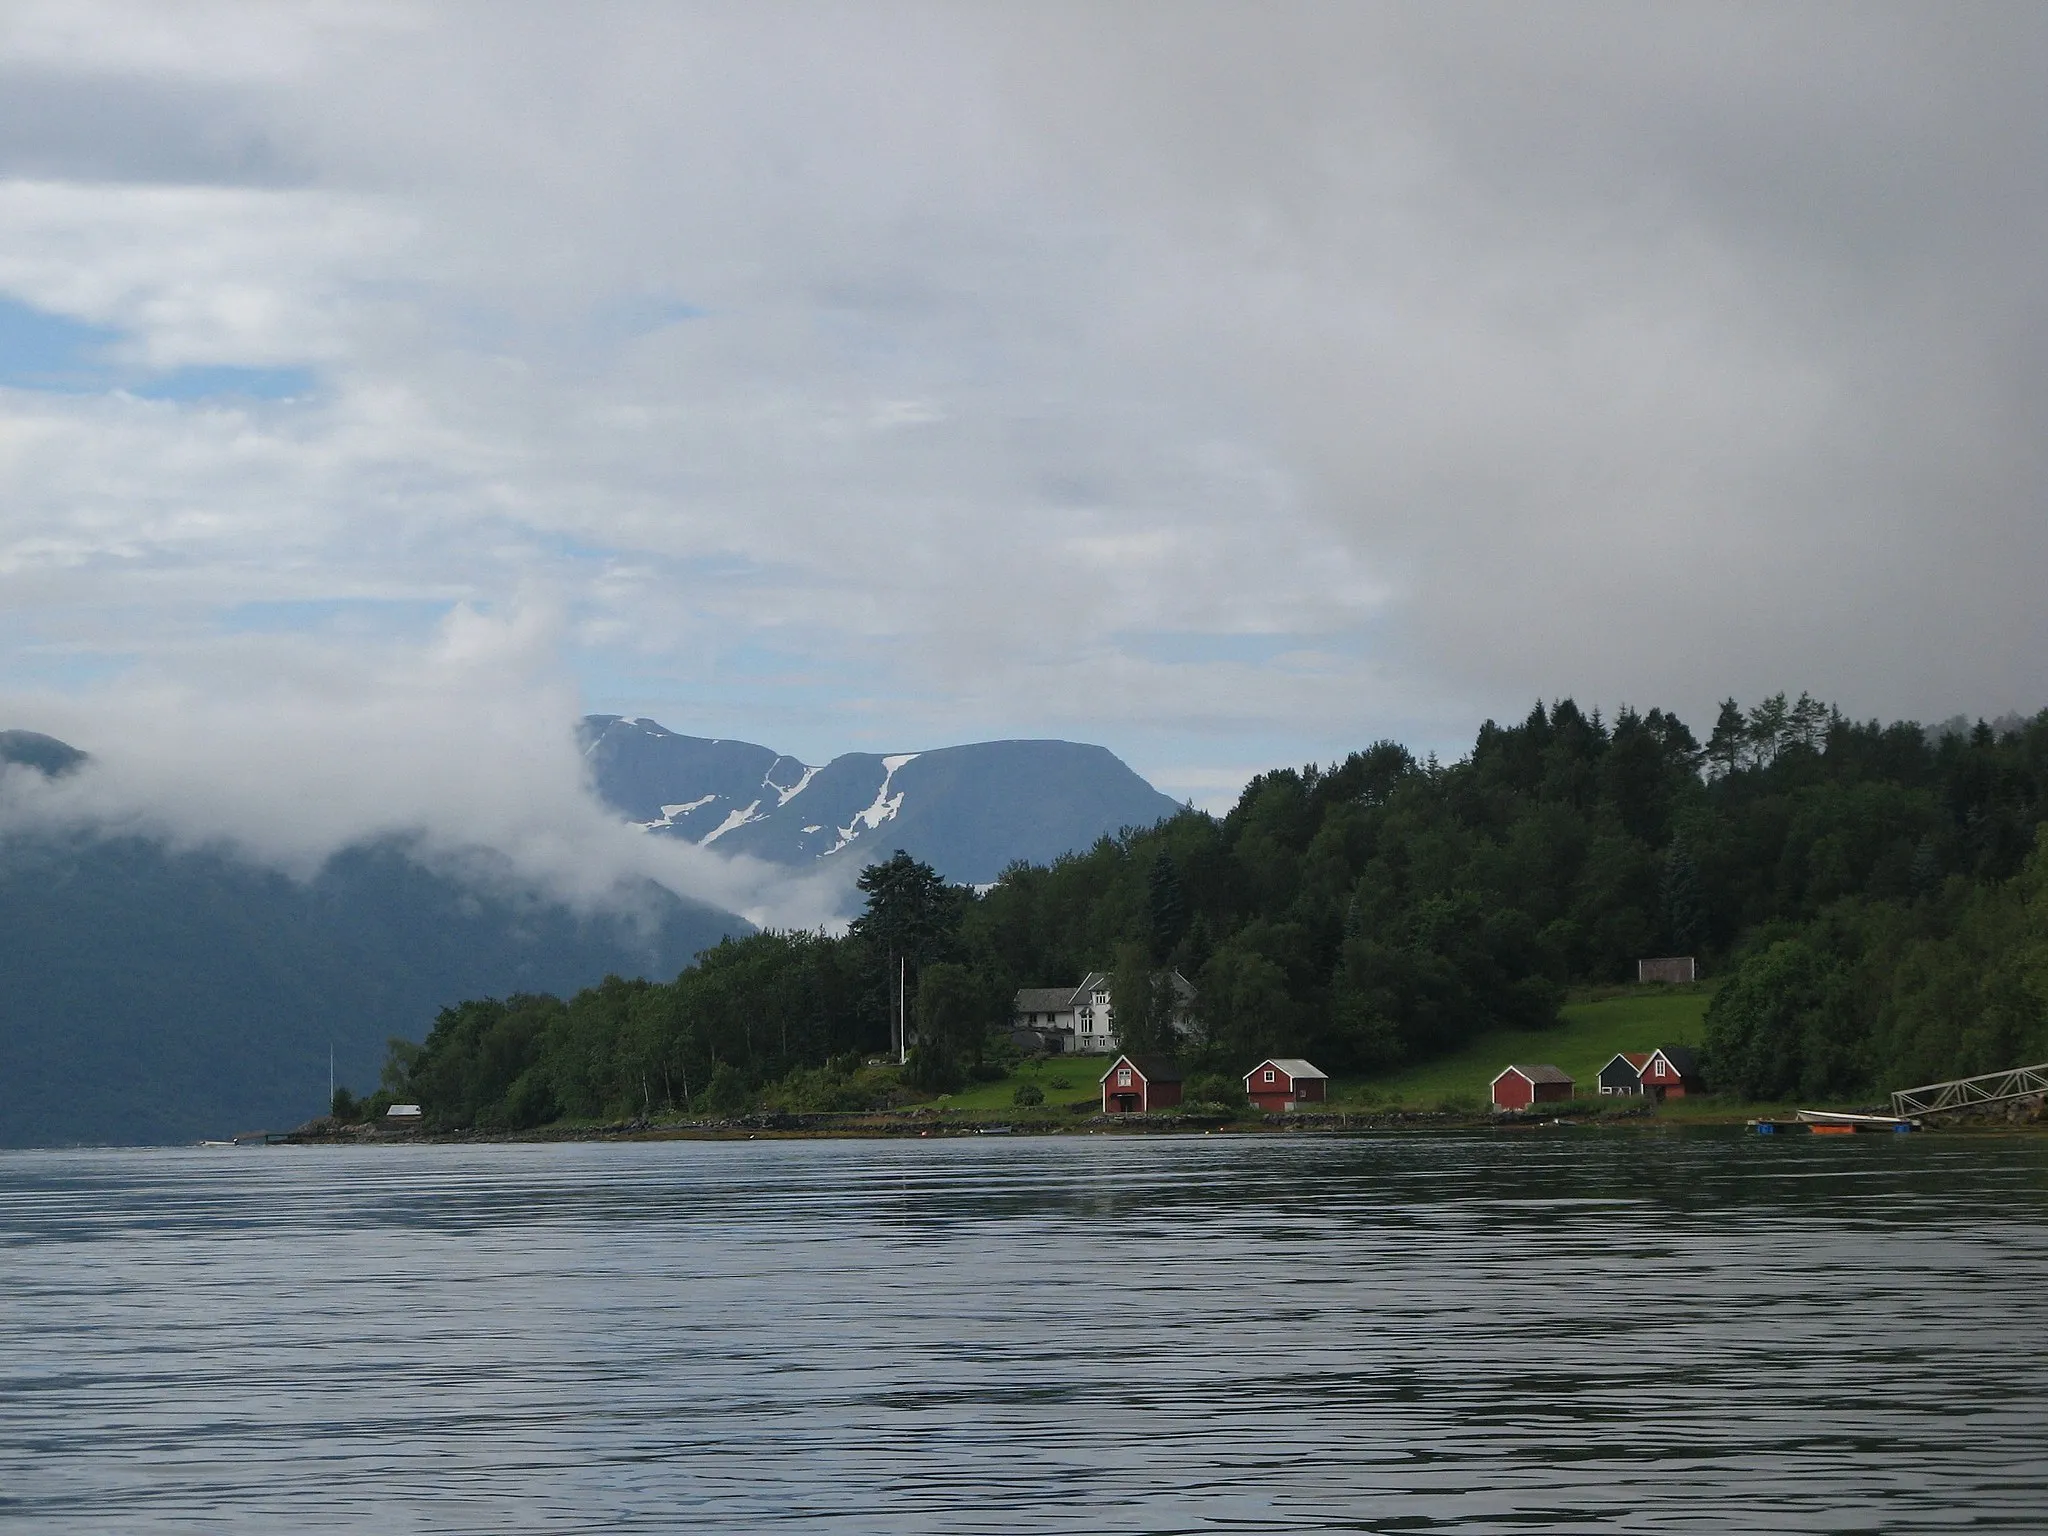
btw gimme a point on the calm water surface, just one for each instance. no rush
(1547, 1332)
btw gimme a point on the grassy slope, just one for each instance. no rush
(1083, 1075)
(1591, 1032)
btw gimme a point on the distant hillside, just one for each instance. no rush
(32, 749)
(968, 811)
(151, 996)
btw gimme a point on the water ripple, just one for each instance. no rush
(1561, 1333)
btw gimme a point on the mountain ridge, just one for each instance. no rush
(150, 994)
(968, 810)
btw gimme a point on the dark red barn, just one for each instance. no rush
(1134, 1084)
(1518, 1087)
(1281, 1082)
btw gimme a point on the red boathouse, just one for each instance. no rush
(1671, 1073)
(1281, 1082)
(1518, 1086)
(1134, 1084)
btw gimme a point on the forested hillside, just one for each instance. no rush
(1871, 892)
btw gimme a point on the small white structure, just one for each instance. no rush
(402, 1114)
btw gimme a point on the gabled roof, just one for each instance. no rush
(1154, 1069)
(1538, 1072)
(1293, 1066)
(1682, 1060)
(1044, 999)
(1635, 1061)
(1059, 999)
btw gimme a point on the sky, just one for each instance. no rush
(382, 385)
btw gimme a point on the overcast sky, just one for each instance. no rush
(1231, 385)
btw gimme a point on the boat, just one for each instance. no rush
(1833, 1122)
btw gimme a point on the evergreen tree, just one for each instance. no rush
(1168, 906)
(1807, 723)
(1728, 747)
(1142, 1025)
(952, 1023)
(1679, 896)
(911, 911)
(1769, 726)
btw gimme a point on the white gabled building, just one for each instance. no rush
(1082, 1019)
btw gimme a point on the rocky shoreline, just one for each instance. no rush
(926, 1122)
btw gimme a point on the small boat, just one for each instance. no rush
(205, 1143)
(1831, 1122)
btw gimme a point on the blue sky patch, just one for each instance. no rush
(45, 351)
(39, 350)
(216, 381)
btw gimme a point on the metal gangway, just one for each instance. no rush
(1965, 1092)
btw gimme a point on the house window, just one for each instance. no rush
(1269, 1075)
(1123, 1079)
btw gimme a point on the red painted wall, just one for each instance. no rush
(1149, 1095)
(1512, 1091)
(1658, 1078)
(1274, 1097)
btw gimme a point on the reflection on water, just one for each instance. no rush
(1565, 1332)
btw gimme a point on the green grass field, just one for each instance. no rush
(1591, 1032)
(1082, 1075)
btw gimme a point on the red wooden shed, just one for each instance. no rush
(1134, 1084)
(1519, 1086)
(1281, 1082)
(1671, 1073)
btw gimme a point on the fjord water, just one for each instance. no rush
(1561, 1331)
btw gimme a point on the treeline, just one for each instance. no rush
(1867, 889)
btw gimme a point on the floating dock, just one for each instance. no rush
(1830, 1122)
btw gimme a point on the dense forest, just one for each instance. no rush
(1874, 897)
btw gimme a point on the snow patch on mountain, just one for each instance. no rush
(784, 796)
(669, 813)
(732, 820)
(884, 808)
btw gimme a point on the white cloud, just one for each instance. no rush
(892, 375)
(285, 750)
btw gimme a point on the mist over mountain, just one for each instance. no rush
(968, 811)
(150, 993)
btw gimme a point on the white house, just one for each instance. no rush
(1082, 1019)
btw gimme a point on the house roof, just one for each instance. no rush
(1681, 1058)
(1635, 1061)
(1154, 1069)
(1293, 1066)
(1059, 999)
(1537, 1072)
(1044, 999)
